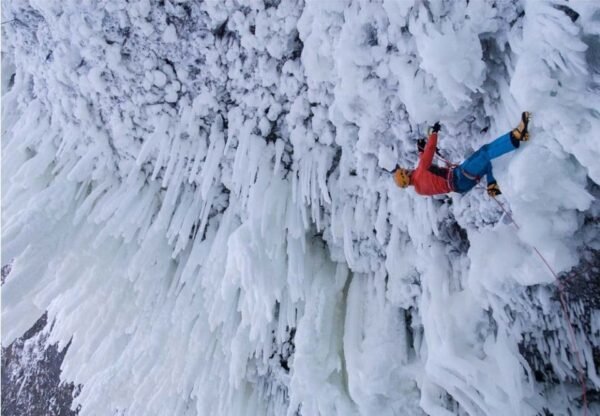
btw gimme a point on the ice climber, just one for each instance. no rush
(429, 179)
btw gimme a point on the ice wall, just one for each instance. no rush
(198, 195)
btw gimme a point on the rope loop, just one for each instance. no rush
(563, 303)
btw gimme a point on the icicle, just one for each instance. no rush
(213, 158)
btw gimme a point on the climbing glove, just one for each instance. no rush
(493, 190)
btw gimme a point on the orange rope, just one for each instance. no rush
(563, 303)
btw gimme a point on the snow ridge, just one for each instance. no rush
(199, 196)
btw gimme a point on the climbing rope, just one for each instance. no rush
(446, 161)
(563, 302)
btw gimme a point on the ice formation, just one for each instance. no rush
(198, 195)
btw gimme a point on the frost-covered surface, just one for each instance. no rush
(197, 194)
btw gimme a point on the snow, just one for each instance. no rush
(198, 194)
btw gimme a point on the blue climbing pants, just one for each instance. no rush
(468, 173)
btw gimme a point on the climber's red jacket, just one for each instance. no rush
(429, 179)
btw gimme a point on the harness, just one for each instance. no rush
(450, 179)
(446, 173)
(469, 176)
